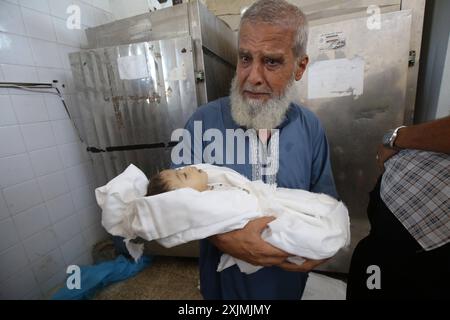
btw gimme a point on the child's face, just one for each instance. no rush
(188, 177)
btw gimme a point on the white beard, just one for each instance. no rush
(254, 114)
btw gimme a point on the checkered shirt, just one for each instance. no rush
(416, 189)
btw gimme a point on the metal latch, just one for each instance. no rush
(200, 76)
(412, 58)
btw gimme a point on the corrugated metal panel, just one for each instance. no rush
(120, 112)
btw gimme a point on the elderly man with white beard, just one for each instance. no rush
(272, 56)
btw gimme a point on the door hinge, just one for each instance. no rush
(412, 58)
(200, 76)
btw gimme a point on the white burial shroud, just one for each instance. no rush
(307, 225)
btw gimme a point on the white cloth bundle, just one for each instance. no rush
(309, 225)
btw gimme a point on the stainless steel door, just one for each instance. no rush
(356, 83)
(131, 98)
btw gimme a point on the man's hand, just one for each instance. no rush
(246, 244)
(383, 154)
(306, 266)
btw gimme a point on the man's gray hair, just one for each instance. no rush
(280, 13)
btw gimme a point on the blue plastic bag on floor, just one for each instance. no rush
(101, 275)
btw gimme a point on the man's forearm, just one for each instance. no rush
(246, 244)
(430, 136)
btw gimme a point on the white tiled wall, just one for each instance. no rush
(48, 215)
(122, 9)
